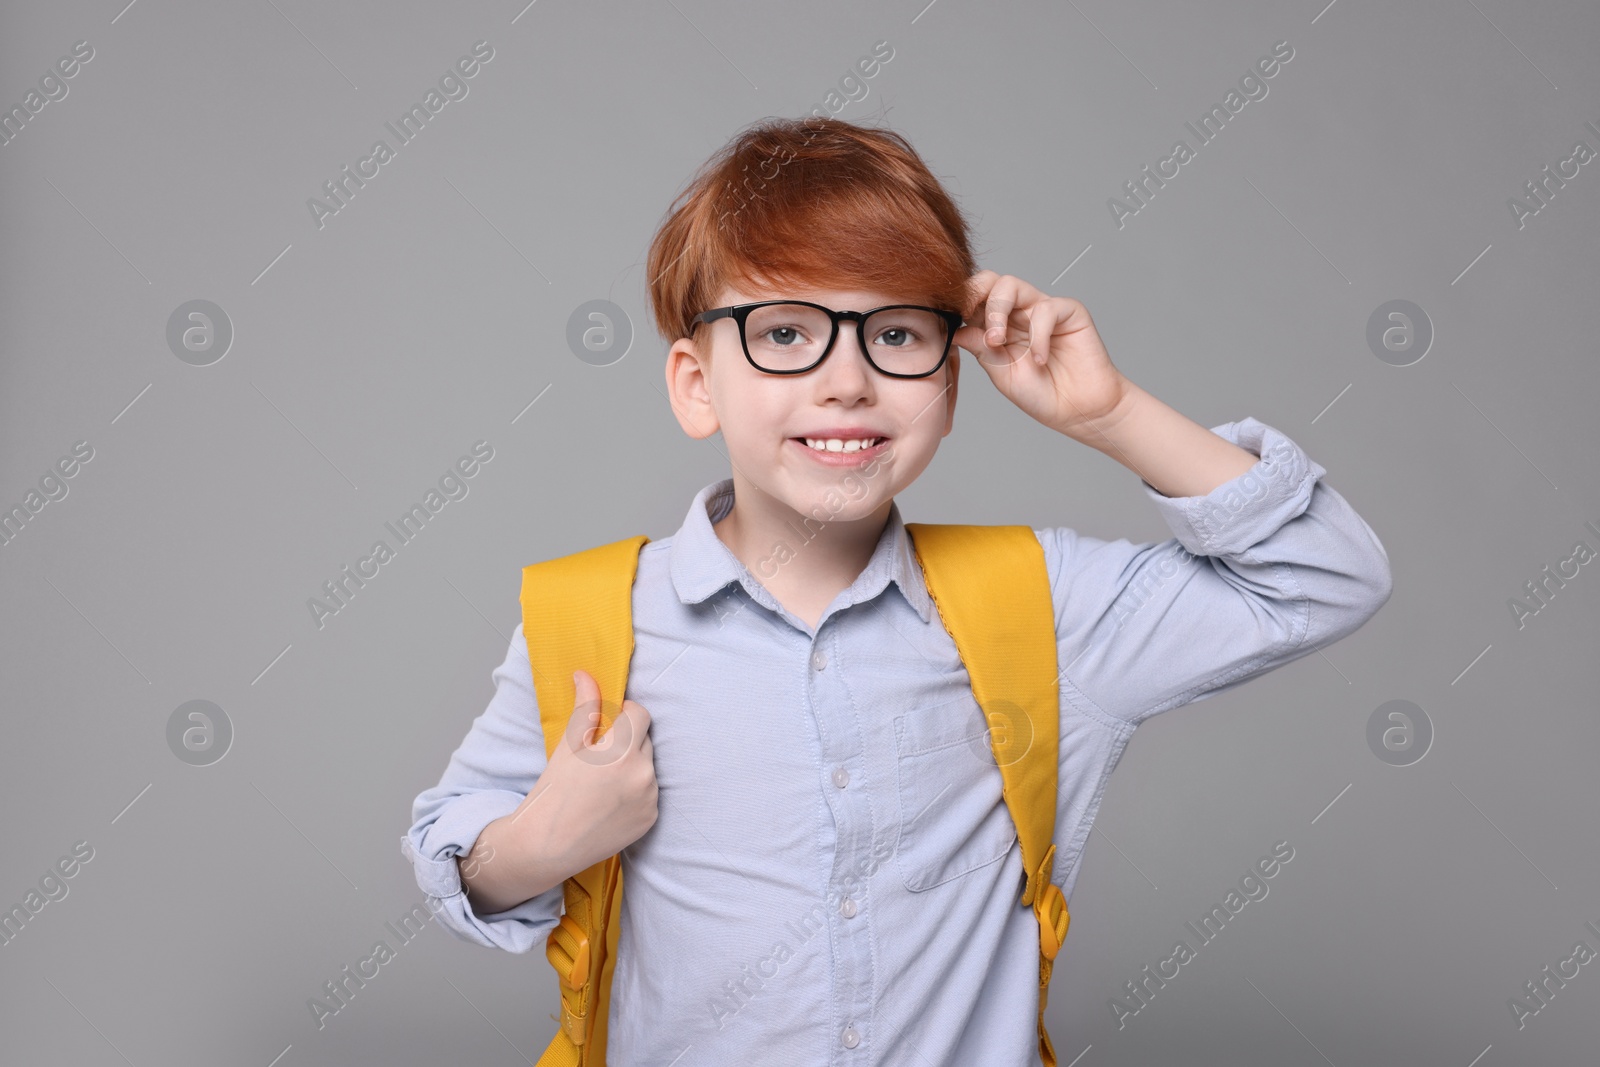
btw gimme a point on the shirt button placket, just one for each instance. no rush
(854, 963)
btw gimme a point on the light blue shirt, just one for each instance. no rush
(833, 876)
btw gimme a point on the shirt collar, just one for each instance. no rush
(701, 564)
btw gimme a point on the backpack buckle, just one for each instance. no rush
(1051, 910)
(567, 949)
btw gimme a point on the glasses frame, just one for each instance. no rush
(741, 312)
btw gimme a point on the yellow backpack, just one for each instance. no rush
(993, 595)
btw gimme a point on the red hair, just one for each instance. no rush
(809, 203)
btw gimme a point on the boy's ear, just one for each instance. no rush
(689, 388)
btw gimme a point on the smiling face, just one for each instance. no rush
(765, 418)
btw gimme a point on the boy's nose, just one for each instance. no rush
(846, 361)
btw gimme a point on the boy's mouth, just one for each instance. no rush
(842, 451)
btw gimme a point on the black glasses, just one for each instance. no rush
(794, 336)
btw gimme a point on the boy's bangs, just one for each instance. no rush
(815, 233)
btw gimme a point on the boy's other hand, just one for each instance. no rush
(1042, 352)
(602, 791)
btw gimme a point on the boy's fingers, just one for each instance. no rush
(971, 339)
(586, 706)
(1002, 298)
(978, 287)
(629, 730)
(587, 689)
(583, 728)
(1041, 325)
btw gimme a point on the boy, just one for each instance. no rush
(819, 864)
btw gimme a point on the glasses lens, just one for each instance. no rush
(791, 337)
(786, 337)
(906, 340)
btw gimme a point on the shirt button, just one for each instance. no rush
(850, 1037)
(841, 777)
(819, 659)
(847, 908)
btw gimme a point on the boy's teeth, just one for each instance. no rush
(834, 444)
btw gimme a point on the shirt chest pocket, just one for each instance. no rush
(953, 817)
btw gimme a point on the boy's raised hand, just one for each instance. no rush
(1042, 352)
(603, 791)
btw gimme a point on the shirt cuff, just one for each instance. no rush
(1250, 507)
(517, 929)
(453, 834)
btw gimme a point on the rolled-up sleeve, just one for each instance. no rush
(495, 767)
(1264, 569)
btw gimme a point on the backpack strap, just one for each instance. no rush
(992, 590)
(577, 613)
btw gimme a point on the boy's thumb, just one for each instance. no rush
(586, 706)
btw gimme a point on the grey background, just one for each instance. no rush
(432, 310)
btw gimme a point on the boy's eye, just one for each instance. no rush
(898, 336)
(784, 336)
